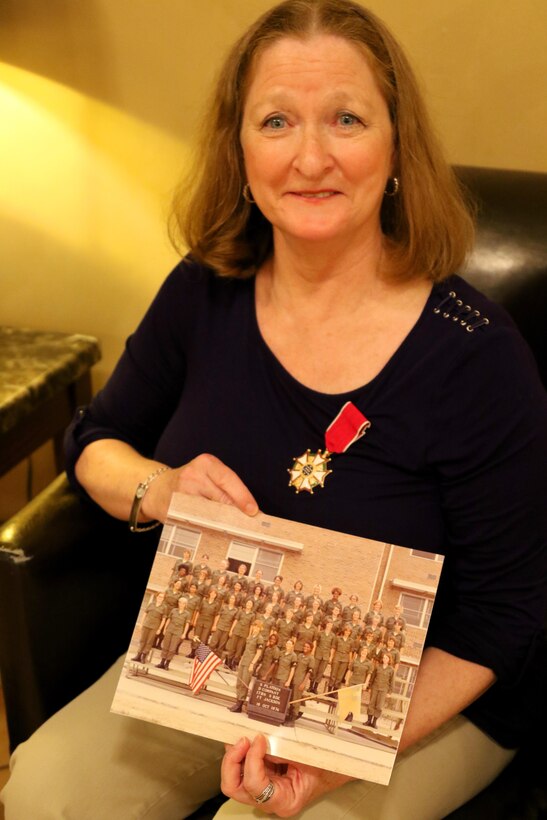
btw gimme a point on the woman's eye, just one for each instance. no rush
(275, 123)
(348, 119)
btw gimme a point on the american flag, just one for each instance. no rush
(205, 663)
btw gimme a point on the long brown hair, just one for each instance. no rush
(427, 223)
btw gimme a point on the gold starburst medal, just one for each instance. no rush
(309, 470)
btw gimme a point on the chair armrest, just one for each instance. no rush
(71, 583)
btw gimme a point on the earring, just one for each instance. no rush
(394, 190)
(247, 194)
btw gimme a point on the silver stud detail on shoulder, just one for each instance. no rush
(451, 307)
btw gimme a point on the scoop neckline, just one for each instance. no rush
(349, 394)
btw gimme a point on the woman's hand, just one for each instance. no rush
(205, 476)
(247, 770)
(110, 471)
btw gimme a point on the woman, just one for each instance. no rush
(381, 683)
(335, 230)
(175, 632)
(206, 615)
(155, 616)
(221, 627)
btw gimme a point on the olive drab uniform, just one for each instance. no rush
(325, 641)
(267, 660)
(153, 620)
(285, 630)
(303, 669)
(244, 672)
(206, 615)
(381, 683)
(240, 632)
(340, 661)
(173, 632)
(305, 633)
(286, 661)
(359, 671)
(225, 620)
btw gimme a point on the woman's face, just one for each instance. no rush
(317, 140)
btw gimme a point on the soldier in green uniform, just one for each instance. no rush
(275, 601)
(397, 617)
(206, 616)
(193, 602)
(398, 634)
(306, 632)
(180, 573)
(337, 620)
(368, 643)
(303, 670)
(268, 620)
(172, 595)
(394, 654)
(239, 592)
(257, 597)
(222, 587)
(323, 650)
(175, 630)
(296, 592)
(276, 587)
(223, 569)
(286, 627)
(359, 671)
(154, 619)
(357, 629)
(377, 607)
(340, 658)
(333, 601)
(318, 614)
(299, 610)
(315, 596)
(348, 610)
(239, 632)
(285, 664)
(381, 684)
(241, 577)
(202, 566)
(246, 667)
(221, 625)
(269, 655)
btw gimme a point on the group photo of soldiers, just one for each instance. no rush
(314, 643)
(249, 625)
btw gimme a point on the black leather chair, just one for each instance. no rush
(69, 573)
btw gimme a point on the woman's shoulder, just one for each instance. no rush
(190, 278)
(467, 308)
(472, 331)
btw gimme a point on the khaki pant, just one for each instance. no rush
(88, 764)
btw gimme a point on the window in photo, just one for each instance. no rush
(268, 560)
(175, 539)
(416, 610)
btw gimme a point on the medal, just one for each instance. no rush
(310, 470)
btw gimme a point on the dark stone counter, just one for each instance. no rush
(43, 376)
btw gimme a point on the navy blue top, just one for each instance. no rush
(453, 463)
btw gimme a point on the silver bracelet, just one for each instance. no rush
(140, 492)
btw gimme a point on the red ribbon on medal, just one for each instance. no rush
(311, 469)
(348, 426)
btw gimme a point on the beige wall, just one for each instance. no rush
(99, 100)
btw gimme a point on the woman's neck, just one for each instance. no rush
(335, 275)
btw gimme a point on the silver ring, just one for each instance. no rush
(266, 793)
